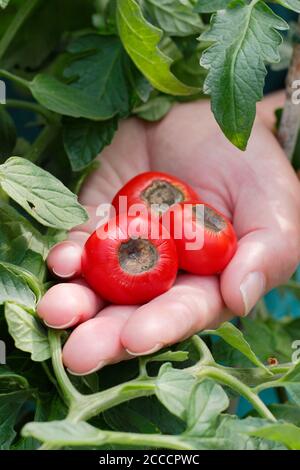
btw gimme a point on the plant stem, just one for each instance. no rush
(30, 106)
(15, 78)
(236, 385)
(290, 121)
(92, 405)
(43, 140)
(205, 354)
(70, 393)
(19, 18)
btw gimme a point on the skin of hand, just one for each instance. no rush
(256, 189)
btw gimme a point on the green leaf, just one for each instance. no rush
(155, 109)
(174, 17)
(67, 100)
(207, 401)
(10, 406)
(18, 285)
(8, 136)
(173, 389)
(43, 196)
(291, 4)
(210, 6)
(141, 39)
(244, 38)
(10, 380)
(64, 433)
(84, 140)
(27, 332)
(18, 237)
(171, 356)
(233, 336)
(286, 433)
(4, 3)
(97, 69)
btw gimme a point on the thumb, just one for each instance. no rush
(263, 261)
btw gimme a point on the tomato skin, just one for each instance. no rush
(101, 266)
(218, 246)
(135, 188)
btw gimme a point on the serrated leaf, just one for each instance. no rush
(43, 196)
(286, 433)
(233, 336)
(207, 401)
(18, 236)
(8, 135)
(66, 100)
(174, 17)
(291, 4)
(17, 285)
(173, 389)
(97, 68)
(244, 39)
(27, 332)
(210, 6)
(84, 140)
(140, 39)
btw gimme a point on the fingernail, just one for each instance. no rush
(62, 327)
(64, 275)
(95, 369)
(252, 289)
(156, 348)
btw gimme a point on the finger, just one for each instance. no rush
(64, 259)
(191, 305)
(91, 224)
(264, 260)
(68, 304)
(96, 343)
(267, 221)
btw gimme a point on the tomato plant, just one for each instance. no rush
(72, 71)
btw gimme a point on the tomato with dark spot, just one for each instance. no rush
(124, 263)
(157, 191)
(205, 239)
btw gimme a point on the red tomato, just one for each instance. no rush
(153, 188)
(214, 234)
(125, 265)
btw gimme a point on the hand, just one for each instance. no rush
(257, 190)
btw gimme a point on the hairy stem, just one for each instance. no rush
(70, 393)
(24, 11)
(223, 377)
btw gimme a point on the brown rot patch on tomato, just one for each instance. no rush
(212, 220)
(162, 193)
(137, 256)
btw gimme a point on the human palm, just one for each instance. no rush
(257, 190)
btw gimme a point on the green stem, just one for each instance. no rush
(15, 78)
(70, 393)
(30, 106)
(205, 354)
(19, 18)
(44, 139)
(92, 405)
(236, 385)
